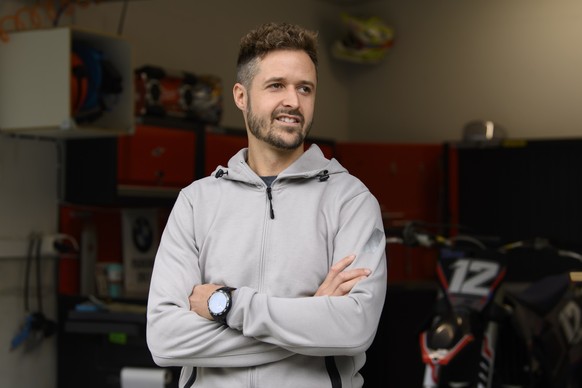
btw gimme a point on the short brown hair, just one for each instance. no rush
(269, 37)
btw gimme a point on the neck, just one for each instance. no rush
(266, 160)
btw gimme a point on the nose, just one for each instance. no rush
(291, 98)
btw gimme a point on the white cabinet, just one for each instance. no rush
(36, 84)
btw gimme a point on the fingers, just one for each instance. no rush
(346, 287)
(342, 264)
(198, 299)
(345, 281)
(340, 281)
(335, 270)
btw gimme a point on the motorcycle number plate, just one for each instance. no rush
(469, 280)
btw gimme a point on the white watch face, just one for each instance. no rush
(217, 302)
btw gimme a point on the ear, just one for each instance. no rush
(239, 94)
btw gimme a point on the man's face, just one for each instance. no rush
(280, 103)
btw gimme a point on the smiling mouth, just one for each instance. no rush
(288, 120)
(288, 116)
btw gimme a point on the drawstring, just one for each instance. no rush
(220, 173)
(270, 197)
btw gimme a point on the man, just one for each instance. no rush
(272, 271)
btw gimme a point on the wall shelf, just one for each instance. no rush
(36, 79)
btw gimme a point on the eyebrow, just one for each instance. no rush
(282, 79)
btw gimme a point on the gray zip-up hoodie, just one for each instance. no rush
(275, 245)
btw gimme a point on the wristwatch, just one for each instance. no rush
(219, 304)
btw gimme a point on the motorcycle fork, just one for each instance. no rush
(487, 359)
(486, 366)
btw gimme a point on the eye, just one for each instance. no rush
(305, 89)
(276, 85)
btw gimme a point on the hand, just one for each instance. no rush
(199, 299)
(340, 281)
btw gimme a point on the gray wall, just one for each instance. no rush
(515, 62)
(28, 204)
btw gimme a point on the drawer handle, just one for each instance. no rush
(158, 151)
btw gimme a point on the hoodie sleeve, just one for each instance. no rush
(177, 336)
(323, 326)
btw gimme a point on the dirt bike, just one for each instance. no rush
(487, 333)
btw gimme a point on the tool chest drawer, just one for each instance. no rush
(156, 156)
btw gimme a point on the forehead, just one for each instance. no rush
(291, 65)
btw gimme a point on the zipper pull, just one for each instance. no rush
(270, 197)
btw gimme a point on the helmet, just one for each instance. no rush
(367, 40)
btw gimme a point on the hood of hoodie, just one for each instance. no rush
(310, 164)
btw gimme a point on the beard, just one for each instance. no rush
(266, 131)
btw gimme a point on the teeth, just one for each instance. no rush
(287, 120)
